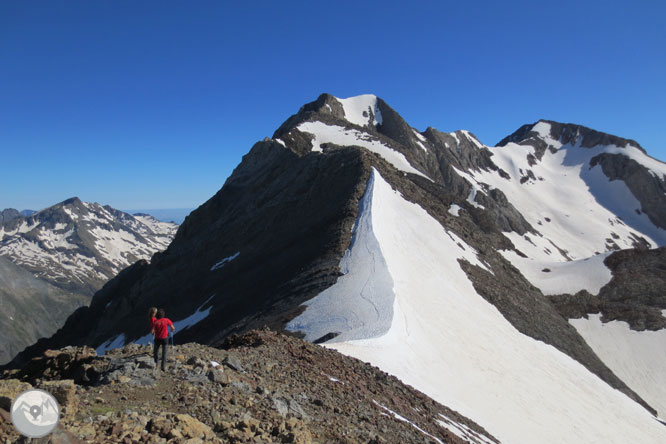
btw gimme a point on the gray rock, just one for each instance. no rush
(233, 363)
(285, 406)
(145, 362)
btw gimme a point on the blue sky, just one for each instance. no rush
(142, 104)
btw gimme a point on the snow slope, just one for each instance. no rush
(574, 207)
(637, 357)
(556, 277)
(447, 341)
(358, 110)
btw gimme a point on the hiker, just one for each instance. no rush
(161, 332)
(152, 311)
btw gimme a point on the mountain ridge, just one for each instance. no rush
(281, 231)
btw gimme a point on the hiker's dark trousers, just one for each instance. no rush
(156, 347)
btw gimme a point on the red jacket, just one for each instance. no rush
(161, 327)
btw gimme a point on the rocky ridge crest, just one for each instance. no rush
(259, 387)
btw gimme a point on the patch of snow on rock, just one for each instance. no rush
(338, 135)
(358, 110)
(116, 342)
(454, 210)
(224, 261)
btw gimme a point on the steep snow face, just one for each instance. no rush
(362, 110)
(637, 357)
(360, 304)
(450, 343)
(338, 135)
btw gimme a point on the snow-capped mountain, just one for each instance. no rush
(482, 276)
(78, 246)
(54, 260)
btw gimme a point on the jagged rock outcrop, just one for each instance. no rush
(636, 294)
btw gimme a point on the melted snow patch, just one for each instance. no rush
(116, 342)
(462, 431)
(403, 419)
(52, 240)
(70, 213)
(421, 139)
(636, 357)
(359, 109)
(196, 317)
(543, 130)
(454, 210)
(419, 135)
(189, 321)
(224, 261)
(347, 137)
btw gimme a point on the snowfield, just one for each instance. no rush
(564, 183)
(355, 107)
(450, 343)
(556, 277)
(637, 357)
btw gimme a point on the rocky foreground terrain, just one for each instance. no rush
(261, 387)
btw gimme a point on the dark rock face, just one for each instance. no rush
(636, 293)
(649, 189)
(567, 133)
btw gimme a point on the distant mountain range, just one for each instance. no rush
(54, 260)
(522, 285)
(176, 215)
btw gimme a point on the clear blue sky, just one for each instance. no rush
(142, 104)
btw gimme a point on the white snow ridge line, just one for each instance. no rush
(224, 261)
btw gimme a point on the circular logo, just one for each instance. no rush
(35, 413)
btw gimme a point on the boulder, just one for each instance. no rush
(10, 389)
(64, 392)
(233, 363)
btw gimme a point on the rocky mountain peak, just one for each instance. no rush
(71, 201)
(565, 133)
(8, 214)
